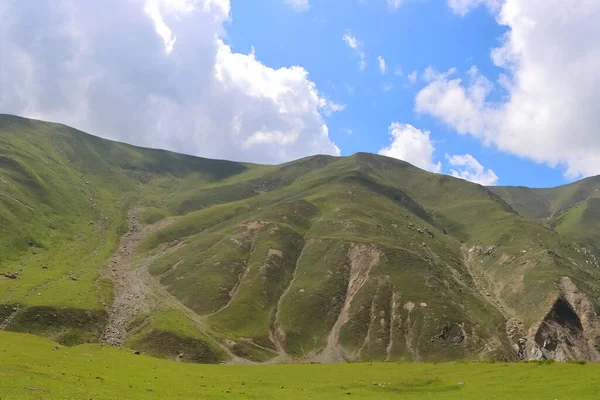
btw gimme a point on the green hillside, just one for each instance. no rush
(573, 210)
(324, 259)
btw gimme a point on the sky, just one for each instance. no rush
(498, 92)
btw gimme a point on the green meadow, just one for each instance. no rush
(36, 368)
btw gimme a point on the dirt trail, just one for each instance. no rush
(253, 229)
(17, 200)
(130, 288)
(161, 296)
(362, 258)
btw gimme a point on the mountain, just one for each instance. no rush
(322, 259)
(572, 210)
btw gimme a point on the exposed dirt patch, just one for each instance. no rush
(361, 258)
(491, 294)
(372, 317)
(408, 335)
(130, 287)
(518, 284)
(275, 253)
(393, 320)
(252, 225)
(505, 257)
(136, 291)
(570, 329)
(482, 284)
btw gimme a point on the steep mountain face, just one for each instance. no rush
(322, 259)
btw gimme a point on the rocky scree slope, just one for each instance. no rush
(322, 259)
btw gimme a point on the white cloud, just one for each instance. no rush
(387, 87)
(431, 74)
(394, 4)
(412, 145)
(328, 107)
(462, 7)
(467, 167)
(463, 109)
(156, 73)
(357, 46)
(547, 107)
(398, 71)
(298, 5)
(381, 63)
(412, 77)
(350, 41)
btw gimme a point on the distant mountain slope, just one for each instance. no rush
(573, 210)
(321, 259)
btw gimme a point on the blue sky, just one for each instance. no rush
(418, 35)
(493, 91)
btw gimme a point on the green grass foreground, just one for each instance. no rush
(31, 368)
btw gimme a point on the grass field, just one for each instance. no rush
(30, 368)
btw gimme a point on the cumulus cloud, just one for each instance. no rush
(298, 5)
(462, 108)
(548, 92)
(358, 48)
(157, 73)
(381, 63)
(412, 145)
(467, 167)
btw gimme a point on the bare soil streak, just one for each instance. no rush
(409, 306)
(361, 258)
(393, 317)
(130, 288)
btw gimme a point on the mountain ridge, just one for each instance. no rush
(321, 259)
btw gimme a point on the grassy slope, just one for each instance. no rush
(63, 201)
(329, 206)
(264, 250)
(31, 369)
(572, 210)
(230, 272)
